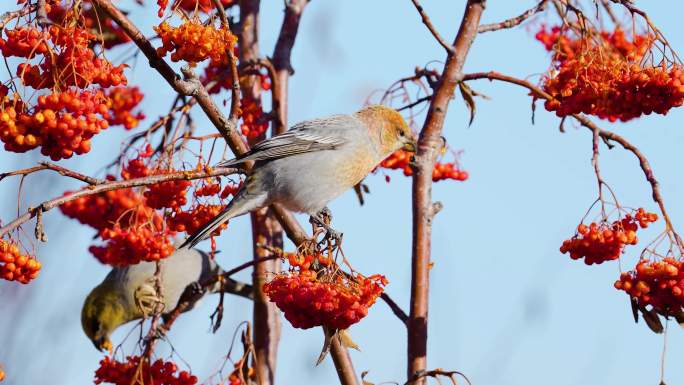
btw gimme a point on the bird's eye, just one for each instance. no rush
(402, 133)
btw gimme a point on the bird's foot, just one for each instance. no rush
(322, 220)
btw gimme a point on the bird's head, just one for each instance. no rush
(102, 312)
(393, 131)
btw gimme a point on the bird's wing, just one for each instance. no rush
(310, 136)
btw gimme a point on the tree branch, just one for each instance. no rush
(429, 145)
(109, 186)
(54, 167)
(431, 27)
(512, 22)
(607, 135)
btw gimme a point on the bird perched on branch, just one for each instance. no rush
(313, 163)
(129, 293)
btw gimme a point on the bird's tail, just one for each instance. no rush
(242, 203)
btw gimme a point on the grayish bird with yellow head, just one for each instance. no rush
(314, 162)
(128, 293)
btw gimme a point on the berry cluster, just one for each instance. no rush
(309, 299)
(133, 244)
(600, 74)
(62, 123)
(132, 371)
(170, 194)
(71, 63)
(194, 42)
(202, 5)
(15, 266)
(207, 190)
(191, 220)
(98, 23)
(254, 123)
(123, 100)
(658, 283)
(401, 160)
(24, 42)
(600, 242)
(101, 211)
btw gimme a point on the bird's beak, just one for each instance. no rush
(411, 145)
(103, 344)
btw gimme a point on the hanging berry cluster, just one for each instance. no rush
(76, 105)
(16, 266)
(659, 283)
(603, 241)
(123, 100)
(201, 5)
(309, 298)
(254, 123)
(101, 211)
(401, 160)
(132, 371)
(129, 245)
(61, 123)
(70, 62)
(194, 42)
(104, 28)
(603, 74)
(189, 221)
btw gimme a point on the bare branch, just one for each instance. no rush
(606, 135)
(512, 22)
(53, 167)
(431, 27)
(429, 144)
(116, 185)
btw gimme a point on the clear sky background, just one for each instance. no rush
(506, 306)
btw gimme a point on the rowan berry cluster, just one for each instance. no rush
(123, 101)
(200, 5)
(101, 211)
(16, 266)
(132, 371)
(254, 123)
(133, 244)
(659, 283)
(71, 62)
(131, 230)
(98, 23)
(601, 74)
(61, 123)
(603, 241)
(191, 220)
(194, 42)
(309, 298)
(170, 194)
(401, 160)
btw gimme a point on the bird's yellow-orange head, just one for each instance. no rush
(102, 312)
(393, 131)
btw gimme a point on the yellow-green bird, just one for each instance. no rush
(128, 293)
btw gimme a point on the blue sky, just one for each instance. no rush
(506, 306)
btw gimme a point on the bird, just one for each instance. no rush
(306, 167)
(128, 293)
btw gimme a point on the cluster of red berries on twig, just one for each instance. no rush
(133, 244)
(133, 371)
(659, 283)
(189, 221)
(16, 266)
(254, 123)
(61, 123)
(309, 298)
(98, 23)
(604, 241)
(194, 42)
(123, 100)
(603, 74)
(401, 160)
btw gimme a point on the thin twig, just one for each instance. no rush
(431, 27)
(512, 22)
(115, 185)
(54, 167)
(606, 135)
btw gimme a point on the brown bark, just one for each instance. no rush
(429, 145)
